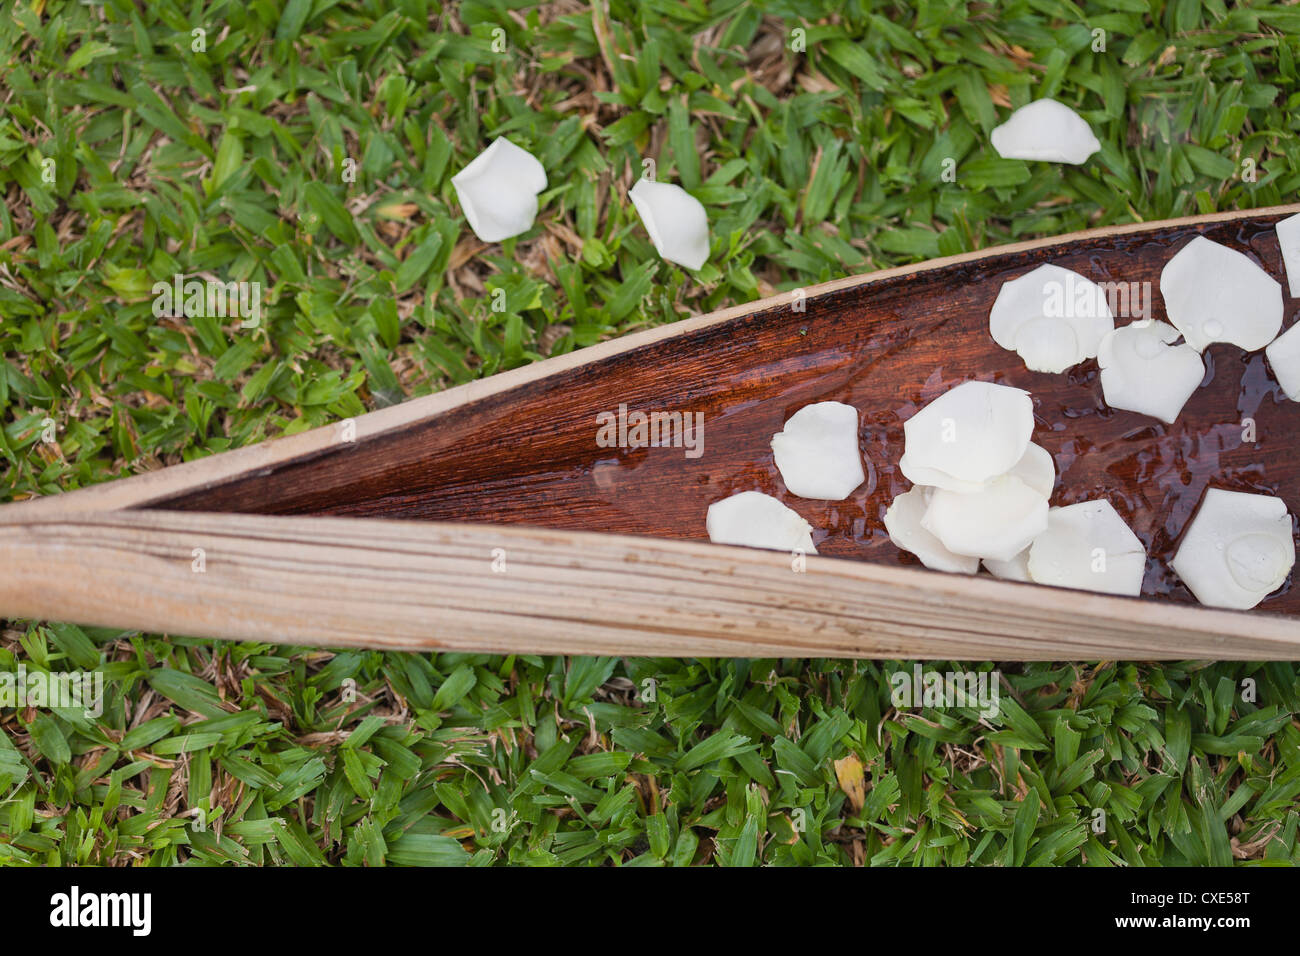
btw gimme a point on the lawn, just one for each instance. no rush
(309, 145)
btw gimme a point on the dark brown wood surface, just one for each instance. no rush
(529, 455)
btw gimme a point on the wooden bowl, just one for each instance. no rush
(489, 517)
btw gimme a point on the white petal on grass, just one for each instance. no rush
(1017, 569)
(1052, 318)
(1288, 240)
(1046, 130)
(498, 190)
(1284, 357)
(968, 436)
(1216, 294)
(998, 522)
(1088, 546)
(1143, 371)
(756, 520)
(676, 221)
(1237, 550)
(817, 451)
(903, 522)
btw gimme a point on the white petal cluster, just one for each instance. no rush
(982, 486)
(982, 490)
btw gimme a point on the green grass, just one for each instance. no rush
(812, 165)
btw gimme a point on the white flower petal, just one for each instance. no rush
(1284, 356)
(935, 478)
(1216, 294)
(903, 522)
(998, 522)
(971, 434)
(817, 452)
(1142, 371)
(756, 520)
(1088, 546)
(1288, 240)
(498, 190)
(1037, 469)
(1052, 317)
(1045, 130)
(676, 221)
(1017, 569)
(1237, 550)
